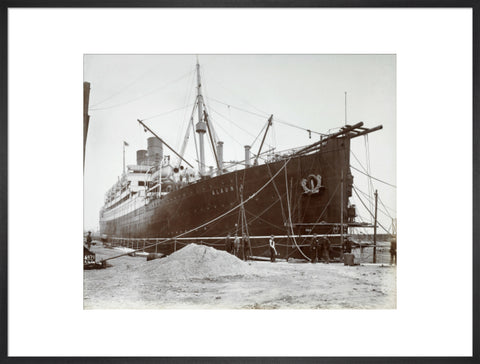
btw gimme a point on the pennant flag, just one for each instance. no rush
(125, 143)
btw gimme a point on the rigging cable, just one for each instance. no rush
(124, 88)
(365, 173)
(213, 78)
(358, 161)
(195, 140)
(231, 121)
(325, 208)
(385, 212)
(233, 138)
(236, 139)
(211, 128)
(376, 179)
(142, 96)
(187, 135)
(385, 207)
(299, 127)
(166, 112)
(260, 133)
(187, 98)
(290, 218)
(355, 190)
(210, 122)
(265, 116)
(367, 156)
(274, 135)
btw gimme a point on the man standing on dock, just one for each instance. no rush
(314, 248)
(273, 251)
(393, 251)
(236, 245)
(326, 249)
(89, 240)
(246, 246)
(228, 244)
(348, 246)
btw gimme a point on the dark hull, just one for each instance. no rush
(193, 205)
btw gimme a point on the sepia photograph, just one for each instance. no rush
(253, 181)
(239, 174)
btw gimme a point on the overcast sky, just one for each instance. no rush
(305, 90)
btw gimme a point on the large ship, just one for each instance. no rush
(160, 205)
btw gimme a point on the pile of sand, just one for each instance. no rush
(196, 261)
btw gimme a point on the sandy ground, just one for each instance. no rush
(210, 279)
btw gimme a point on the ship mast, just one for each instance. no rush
(269, 123)
(201, 127)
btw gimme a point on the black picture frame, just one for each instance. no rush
(6, 5)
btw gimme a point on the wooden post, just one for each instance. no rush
(375, 230)
(341, 210)
(289, 241)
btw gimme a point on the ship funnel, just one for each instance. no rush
(220, 156)
(247, 156)
(141, 156)
(155, 150)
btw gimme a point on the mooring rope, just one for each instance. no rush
(290, 218)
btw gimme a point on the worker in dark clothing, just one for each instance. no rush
(326, 249)
(393, 251)
(273, 251)
(348, 246)
(228, 244)
(314, 248)
(246, 247)
(89, 239)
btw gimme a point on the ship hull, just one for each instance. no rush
(305, 190)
